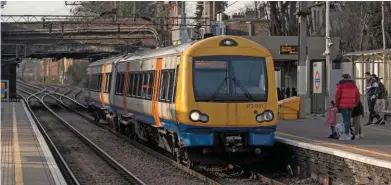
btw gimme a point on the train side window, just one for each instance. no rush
(118, 84)
(163, 86)
(171, 85)
(107, 85)
(94, 83)
(99, 81)
(144, 85)
(137, 84)
(175, 83)
(130, 85)
(150, 84)
(121, 87)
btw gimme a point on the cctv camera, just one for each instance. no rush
(331, 44)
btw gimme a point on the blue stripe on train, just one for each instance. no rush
(203, 136)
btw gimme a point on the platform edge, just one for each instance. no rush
(336, 152)
(53, 167)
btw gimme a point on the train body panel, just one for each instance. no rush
(215, 93)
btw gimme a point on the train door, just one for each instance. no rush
(156, 92)
(167, 89)
(105, 84)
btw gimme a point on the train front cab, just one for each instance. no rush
(226, 96)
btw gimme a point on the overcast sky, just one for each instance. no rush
(59, 8)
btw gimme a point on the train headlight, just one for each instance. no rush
(204, 118)
(265, 116)
(259, 118)
(196, 115)
(268, 115)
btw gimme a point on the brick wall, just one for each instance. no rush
(240, 28)
(325, 168)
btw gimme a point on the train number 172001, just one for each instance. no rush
(256, 106)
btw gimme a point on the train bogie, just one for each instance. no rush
(213, 97)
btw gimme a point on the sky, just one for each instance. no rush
(59, 8)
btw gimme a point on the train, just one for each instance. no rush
(200, 100)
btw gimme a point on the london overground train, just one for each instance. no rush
(212, 96)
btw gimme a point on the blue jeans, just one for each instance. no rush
(346, 119)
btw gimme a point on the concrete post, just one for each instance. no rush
(327, 54)
(303, 65)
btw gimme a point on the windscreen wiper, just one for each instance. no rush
(239, 84)
(218, 89)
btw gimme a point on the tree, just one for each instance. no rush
(77, 72)
(198, 14)
(125, 8)
(358, 24)
(283, 20)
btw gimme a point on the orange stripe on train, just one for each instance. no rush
(103, 85)
(156, 86)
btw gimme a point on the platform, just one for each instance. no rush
(311, 133)
(25, 156)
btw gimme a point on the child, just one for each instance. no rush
(331, 119)
(356, 113)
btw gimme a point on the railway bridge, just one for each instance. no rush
(41, 36)
(77, 37)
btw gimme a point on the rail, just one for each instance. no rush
(147, 149)
(88, 142)
(64, 168)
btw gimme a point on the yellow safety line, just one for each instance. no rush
(338, 145)
(18, 160)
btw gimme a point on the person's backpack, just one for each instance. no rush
(382, 90)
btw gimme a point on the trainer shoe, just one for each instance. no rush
(379, 121)
(369, 123)
(361, 135)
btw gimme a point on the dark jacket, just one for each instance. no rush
(358, 110)
(372, 87)
(347, 95)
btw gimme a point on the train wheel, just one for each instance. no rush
(122, 128)
(116, 124)
(96, 117)
(177, 156)
(129, 132)
(188, 162)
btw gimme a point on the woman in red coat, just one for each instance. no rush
(347, 97)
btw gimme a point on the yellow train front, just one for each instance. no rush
(213, 96)
(226, 97)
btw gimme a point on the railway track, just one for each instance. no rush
(220, 176)
(80, 156)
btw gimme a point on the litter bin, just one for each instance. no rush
(288, 109)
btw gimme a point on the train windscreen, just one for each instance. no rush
(230, 78)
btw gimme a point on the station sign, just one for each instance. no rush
(317, 77)
(288, 50)
(4, 92)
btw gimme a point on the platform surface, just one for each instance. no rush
(375, 144)
(25, 156)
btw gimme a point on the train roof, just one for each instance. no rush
(107, 60)
(170, 50)
(144, 54)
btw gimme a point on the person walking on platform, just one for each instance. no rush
(357, 112)
(372, 88)
(380, 102)
(347, 97)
